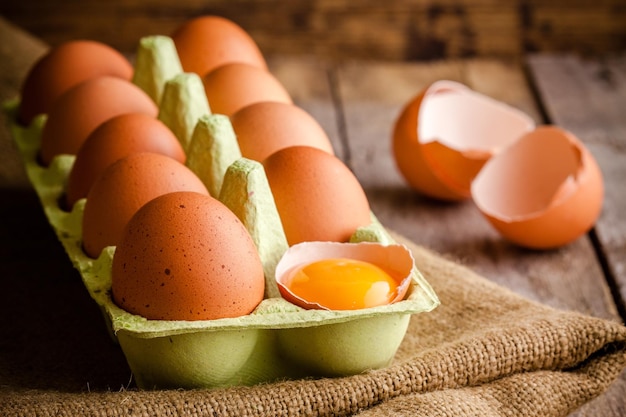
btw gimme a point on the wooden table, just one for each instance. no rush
(357, 103)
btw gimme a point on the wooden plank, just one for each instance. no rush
(307, 80)
(588, 98)
(393, 29)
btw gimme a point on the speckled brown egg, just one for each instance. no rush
(186, 256)
(317, 196)
(266, 127)
(123, 188)
(231, 87)
(81, 109)
(113, 140)
(63, 67)
(206, 42)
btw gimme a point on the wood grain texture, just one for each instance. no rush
(588, 97)
(393, 29)
(308, 81)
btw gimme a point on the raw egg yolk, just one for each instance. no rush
(343, 284)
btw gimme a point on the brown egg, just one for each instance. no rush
(266, 127)
(543, 191)
(206, 42)
(83, 108)
(317, 196)
(63, 67)
(123, 188)
(114, 139)
(186, 256)
(231, 87)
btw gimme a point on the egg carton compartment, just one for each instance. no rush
(277, 340)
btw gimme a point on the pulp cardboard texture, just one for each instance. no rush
(278, 339)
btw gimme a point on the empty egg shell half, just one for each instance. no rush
(445, 135)
(543, 191)
(278, 340)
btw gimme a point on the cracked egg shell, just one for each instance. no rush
(345, 288)
(543, 191)
(186, 256)
(446, 133)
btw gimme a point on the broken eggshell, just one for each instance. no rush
(395, 259)
(351, 349)
(445, 135)
(543, 191)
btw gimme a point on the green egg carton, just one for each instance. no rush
(278, 340)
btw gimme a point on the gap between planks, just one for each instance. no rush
(587, 97)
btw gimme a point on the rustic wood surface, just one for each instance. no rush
(393, 29)
(357, 103)
(594, 111)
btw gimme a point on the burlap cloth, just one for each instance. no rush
(484, 352)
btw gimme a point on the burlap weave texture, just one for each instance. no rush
(484, 352)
